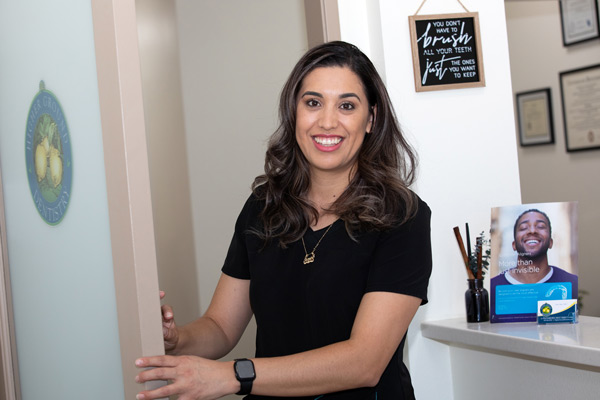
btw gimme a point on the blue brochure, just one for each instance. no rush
(534, 258)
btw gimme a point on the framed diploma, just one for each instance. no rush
(580, 90)
(534, 114)
(579, 20)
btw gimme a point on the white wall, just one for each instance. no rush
(466, 142)
(497, 376)
(548, 172)
(235, 58)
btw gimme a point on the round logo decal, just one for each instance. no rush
(48, 156)
(546, 309)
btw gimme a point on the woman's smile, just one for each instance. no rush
(327, 143)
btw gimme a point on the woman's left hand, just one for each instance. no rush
(192, 378)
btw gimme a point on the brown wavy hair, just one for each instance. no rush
(377, 198)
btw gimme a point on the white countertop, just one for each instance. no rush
(574, 343)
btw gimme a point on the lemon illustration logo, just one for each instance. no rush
(48, 156)
(546, 309)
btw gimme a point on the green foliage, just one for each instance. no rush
(485, 255)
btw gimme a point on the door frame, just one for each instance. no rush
(322, 21)
(128, 186)
(8, 349)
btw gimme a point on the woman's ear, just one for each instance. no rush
(372, 117)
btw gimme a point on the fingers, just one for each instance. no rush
(170, 331)
(156, 374)
(164, 371)
(160, 393)
(167, 313)
(189, 377)
(160, 368)
(168, 324)
(161, 293)
(156, 361)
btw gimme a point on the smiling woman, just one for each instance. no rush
(331, 254)
(332, 118)
(373, 192)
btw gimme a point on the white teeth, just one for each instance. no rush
(532, 241)
(327, 141)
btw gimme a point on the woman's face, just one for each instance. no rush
(332, 118)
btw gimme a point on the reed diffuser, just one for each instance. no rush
(476, 263)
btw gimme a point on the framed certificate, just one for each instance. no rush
(580, 90)
(579, 20)
(534, 114)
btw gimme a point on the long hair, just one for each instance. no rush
(377, 197)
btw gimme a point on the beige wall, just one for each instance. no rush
(212, 72)
(235, 57)
(548, 173)
(169, 177)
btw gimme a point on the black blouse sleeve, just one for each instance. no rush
(402, 261)
(236, 263)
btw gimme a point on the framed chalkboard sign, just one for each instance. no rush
(446, 51)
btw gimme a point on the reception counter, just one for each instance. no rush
(521, 360)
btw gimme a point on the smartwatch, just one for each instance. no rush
(245, 374)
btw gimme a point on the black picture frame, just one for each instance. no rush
(579, 21)
(534, 117)
(446, 51)
(580, 95)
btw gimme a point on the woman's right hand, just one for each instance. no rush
(170, 331)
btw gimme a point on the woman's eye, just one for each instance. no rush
(312, 103)
(347, 106)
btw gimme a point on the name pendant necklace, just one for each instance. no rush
(310, 257)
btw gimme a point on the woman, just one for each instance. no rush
(331, 253)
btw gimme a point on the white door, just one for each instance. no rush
(79, 243)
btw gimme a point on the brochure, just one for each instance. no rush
(534, 257)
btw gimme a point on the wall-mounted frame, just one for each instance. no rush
(580, 92)
(534, 113)
(579, 21)
(446, 51)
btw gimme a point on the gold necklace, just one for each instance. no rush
(310, 257)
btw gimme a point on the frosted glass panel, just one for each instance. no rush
(61, 270)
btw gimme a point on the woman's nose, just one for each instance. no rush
(328, 119)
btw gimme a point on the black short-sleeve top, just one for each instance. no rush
(300, 307)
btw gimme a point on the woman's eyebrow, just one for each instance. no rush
(346, 95)
(309, 93)
(342, 96)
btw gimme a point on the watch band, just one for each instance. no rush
(245, 388)
(245, 374)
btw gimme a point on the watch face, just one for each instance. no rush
(244, 369)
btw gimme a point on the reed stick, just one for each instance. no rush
(479, 257)
(463, 252)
